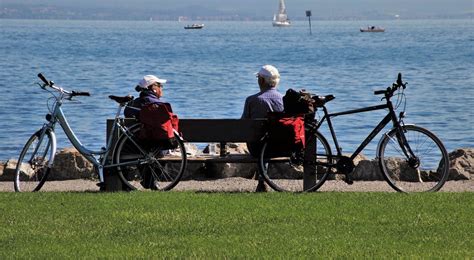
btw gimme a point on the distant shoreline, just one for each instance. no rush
(237, 20)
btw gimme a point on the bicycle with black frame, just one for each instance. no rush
(411, 158)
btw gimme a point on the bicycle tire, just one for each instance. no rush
(281, 174)
(31, 171)
(165, 165)
(427, 173)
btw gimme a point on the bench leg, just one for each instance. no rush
(112, 180)
(309, 172)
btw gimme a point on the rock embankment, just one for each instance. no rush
(70, 165)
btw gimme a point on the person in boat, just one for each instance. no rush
(259, 104)
(151, 92)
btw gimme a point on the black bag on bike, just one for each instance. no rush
(298, 102)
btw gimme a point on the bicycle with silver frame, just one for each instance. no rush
(130, 156)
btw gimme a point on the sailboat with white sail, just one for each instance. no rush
(281, 18)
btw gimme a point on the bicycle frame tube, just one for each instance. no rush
(372, 134)
(111, 134)
(127, 133)
(389, 117)
(58, 116)
(73, 138)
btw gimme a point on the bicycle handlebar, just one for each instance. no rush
(78, 93)
(395, 86)
(44, 79)
(70, 93)
(139, 88)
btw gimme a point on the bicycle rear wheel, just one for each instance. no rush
(32, 168)
(426, 171)
(143, 166)
(285, 174)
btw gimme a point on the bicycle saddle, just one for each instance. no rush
(121, 100)
(320, 101)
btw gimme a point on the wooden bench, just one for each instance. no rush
(220, 131)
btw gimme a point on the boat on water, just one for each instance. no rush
(194, 26)
(281, 18)
(372, 29)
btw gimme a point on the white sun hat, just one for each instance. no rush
(150, 79)
(269, 72)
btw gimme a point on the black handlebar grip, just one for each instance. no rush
(378, 92)
(44, 79)
(399, 79)
(77, 93)
(139, 88)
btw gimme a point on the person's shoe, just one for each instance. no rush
(101, 186)
(153, 186)
(261, 187)
(149, 185)
(144, 184)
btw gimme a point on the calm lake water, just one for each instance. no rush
(211, 71)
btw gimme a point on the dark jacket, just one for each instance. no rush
(146, 97)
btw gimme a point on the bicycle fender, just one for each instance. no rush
(385, 134)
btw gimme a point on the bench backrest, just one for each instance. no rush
(222, 130)
(217, 130)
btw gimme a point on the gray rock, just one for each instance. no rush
(359, 173)
(237, 148)
(2, 167)
(191, 149)
(8, 172)
(70, 164)
(367, 170)
(461, 164)
(226, 170)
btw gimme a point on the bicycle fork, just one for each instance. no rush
(412, 160)
(42, 133)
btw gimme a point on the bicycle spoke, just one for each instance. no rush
(32, 167)
(154, 170)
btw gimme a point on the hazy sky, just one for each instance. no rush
(266, 7)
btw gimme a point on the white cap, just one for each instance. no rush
(268, 72)
(150, 79)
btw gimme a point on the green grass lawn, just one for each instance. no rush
(236, 225)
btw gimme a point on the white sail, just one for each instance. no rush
(282, 9)
(281, 19)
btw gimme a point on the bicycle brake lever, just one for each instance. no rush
(43, 86)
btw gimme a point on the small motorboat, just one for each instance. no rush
(194, 26)
(372, 29)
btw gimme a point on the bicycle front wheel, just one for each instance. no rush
(287, 173)
(32, 168)
(423, 169)
(145, 166)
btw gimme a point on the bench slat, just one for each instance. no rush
(222, 130)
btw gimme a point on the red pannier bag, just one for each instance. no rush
(285, 133)
(157, 124)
